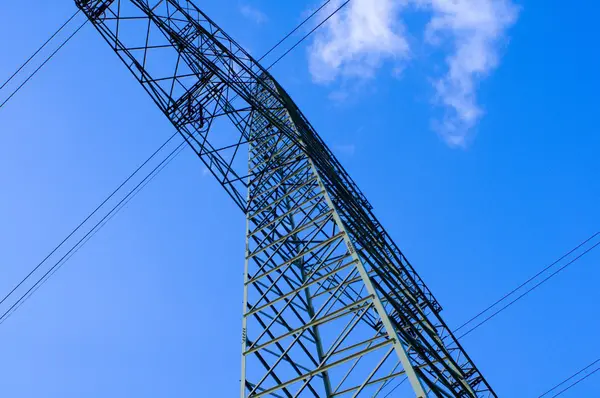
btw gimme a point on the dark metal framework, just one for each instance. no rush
(331, 305)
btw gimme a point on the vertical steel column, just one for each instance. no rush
(292, 211)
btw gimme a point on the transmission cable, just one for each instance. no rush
(109, 197)
(313, 30)
(42, 65)
(90, 233)
(39, 49)
(294, 30)
(530, 290)
(571, 377)
(114, 210)
(574, 384)
(526, 282)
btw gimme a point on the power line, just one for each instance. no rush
(527, 282)
(570, 378)
(109, 197)
(577, 382)
(42, 65)
(38, 50)
(394, 389)
(90, 233)
(530, 290)
(114, 210)
(313, 30)
(294, 30)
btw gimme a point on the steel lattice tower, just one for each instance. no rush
(331, 306)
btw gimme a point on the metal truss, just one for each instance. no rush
(332, 308)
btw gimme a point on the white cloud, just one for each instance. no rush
(356, 43)
(254, 14)
(357, 40)
(474, 27)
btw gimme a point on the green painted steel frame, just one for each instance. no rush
(332, 306)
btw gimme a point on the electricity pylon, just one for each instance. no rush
(331, 305)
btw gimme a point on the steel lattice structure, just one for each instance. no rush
(331, 305)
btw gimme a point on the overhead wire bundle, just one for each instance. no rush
(38, 52)
(531, 284)
(585, 373)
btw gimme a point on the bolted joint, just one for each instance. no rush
(93, 9)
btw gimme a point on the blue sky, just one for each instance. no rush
(151, 307)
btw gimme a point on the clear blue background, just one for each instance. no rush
(151, 307)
